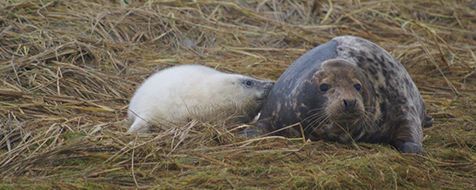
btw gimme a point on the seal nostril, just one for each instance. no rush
(349, 104)
(269, 85)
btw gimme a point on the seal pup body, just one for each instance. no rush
(348, 89)
(176, 95)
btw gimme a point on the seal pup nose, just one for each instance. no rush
(269, 85)
(349, 104)
(265, 88)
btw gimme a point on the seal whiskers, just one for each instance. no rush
(348, 86)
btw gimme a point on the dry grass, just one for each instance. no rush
(68, 69)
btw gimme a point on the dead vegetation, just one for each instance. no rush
(68, 69)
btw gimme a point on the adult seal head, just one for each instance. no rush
(348, 89)
(176, 95)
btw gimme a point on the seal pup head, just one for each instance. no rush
(247, 94)
(344, 90)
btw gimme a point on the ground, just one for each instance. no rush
(68, 69)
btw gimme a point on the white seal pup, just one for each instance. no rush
(176, 95)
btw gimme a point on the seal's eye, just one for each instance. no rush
(324, 87)
(358, 87)
(248, 83)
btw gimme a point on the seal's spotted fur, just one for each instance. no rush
(394, 109)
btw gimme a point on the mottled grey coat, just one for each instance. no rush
(392, 98)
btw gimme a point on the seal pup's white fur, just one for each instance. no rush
(181, 93)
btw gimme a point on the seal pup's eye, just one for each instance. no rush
(248, 83)
(358, 87)
(324, 87)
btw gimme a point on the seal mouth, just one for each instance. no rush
(261, 97)
(349, 118)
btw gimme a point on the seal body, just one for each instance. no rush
(348, 89)
(176, 95)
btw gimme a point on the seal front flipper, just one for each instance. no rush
(409, 147)
(407, 137)
(263, 127)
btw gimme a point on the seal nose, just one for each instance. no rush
(266, 89)
(268, 86)
(349, 104)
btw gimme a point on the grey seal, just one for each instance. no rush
(348, 89)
